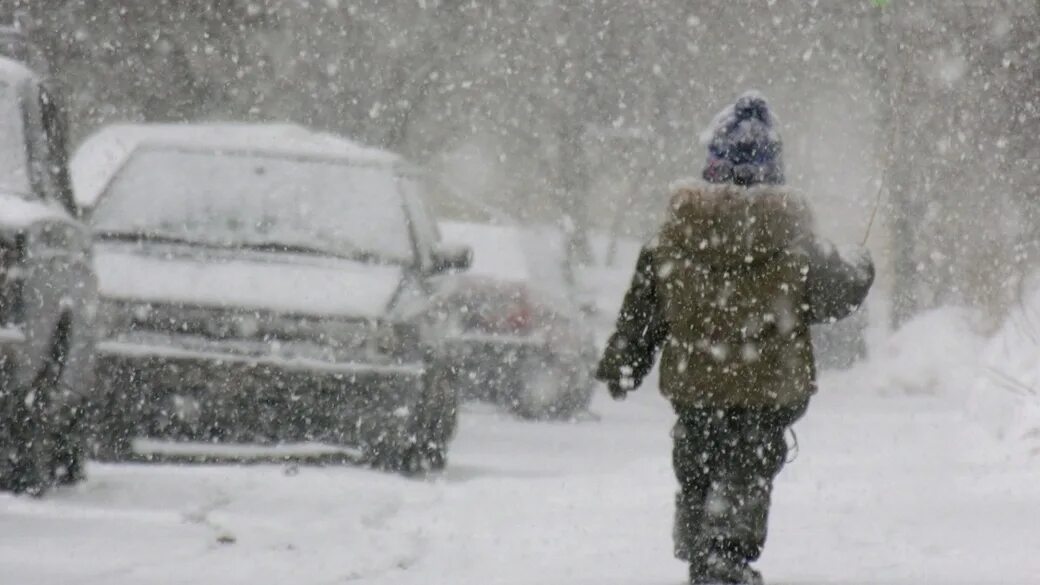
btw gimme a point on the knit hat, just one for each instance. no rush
(744, 147)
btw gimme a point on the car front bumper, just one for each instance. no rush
(162, 386)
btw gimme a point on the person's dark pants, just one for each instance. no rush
(725, 460)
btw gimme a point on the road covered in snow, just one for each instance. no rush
(893, 483)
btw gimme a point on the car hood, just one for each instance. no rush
(284, 283)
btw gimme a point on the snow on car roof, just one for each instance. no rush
(104, 152)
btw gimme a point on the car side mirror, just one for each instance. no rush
(451, 257)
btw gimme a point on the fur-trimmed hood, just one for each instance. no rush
(726, 225)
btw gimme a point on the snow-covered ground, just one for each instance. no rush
(894, 482)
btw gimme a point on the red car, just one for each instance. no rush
(522, 337)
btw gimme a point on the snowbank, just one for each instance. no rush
(1006, 392)
(937, 352)
(995, 379)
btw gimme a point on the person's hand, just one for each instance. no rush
(617, 391)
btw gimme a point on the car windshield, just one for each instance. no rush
(237, 199)
(14, 167)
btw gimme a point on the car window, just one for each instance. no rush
(14, 161)
(242, 199)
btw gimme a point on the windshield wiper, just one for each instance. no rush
(356, 255)
(121, 236)
(132, 236)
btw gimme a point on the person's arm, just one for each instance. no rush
(639, 333)
(837, 284)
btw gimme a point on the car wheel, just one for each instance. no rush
(35, 427)
(25, 459)
(433, 427)
(440, 414)
(414, 459)
(111, 429)
(419, 460)
(112, 437)
(67, 457)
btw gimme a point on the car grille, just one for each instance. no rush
(236, 324)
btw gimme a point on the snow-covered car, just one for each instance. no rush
(265, 285)
(522, 335)
(47, 292)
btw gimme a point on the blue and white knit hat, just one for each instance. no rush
(744, 146)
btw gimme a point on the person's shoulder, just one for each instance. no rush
(780, 208)
(779, 198)
(691, 191)
(699, 197)
(693, 199)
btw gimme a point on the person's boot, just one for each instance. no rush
(699, 575)
(724, 569)
(698, 560)
(685, 529)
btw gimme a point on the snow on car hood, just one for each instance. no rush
(316, 286)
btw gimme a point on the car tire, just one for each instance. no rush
(68, 440)
(36, 427)
(111, 417)
(24, 469)
(67, 457)
(419, 460)
(111, 434)
(432, 429)
(415, 459)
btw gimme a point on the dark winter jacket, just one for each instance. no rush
(729, 288)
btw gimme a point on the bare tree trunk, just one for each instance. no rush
(904, 302)
(571, 173)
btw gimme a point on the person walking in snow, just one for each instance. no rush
(727, 290)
